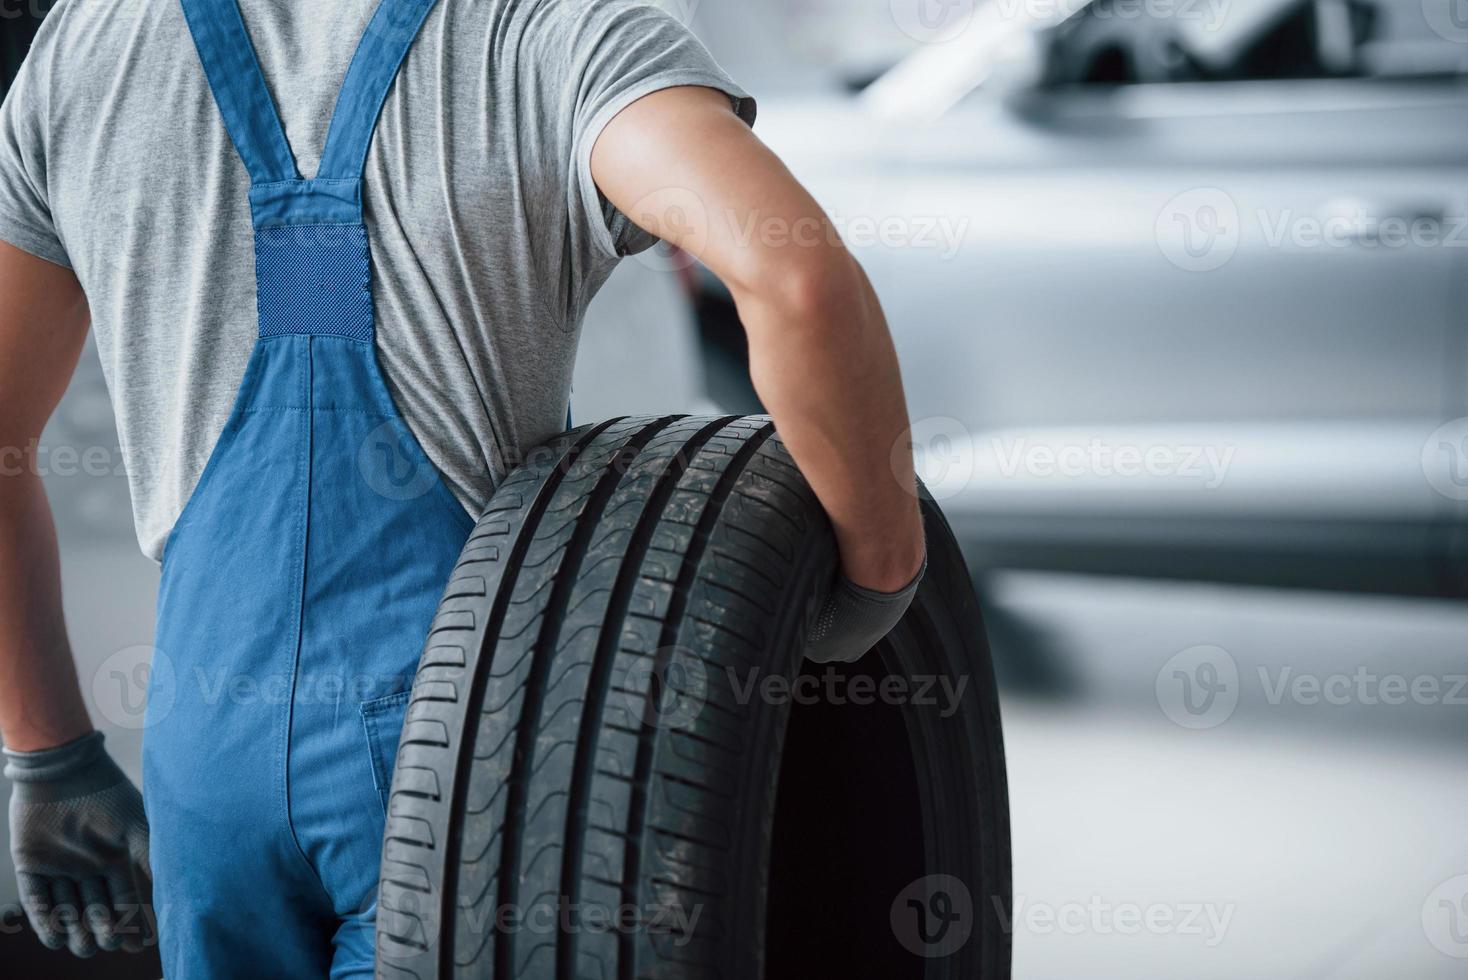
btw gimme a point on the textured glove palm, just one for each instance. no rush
(854, 619)
(79, 841)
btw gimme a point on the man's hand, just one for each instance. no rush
(684, 167)
(79, 841)
(74, 818)
(854, 619)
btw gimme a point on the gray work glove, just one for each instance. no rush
(79, 841)
(854, 619)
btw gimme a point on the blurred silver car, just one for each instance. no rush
(1179, 287)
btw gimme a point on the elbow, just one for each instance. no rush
(812, 290)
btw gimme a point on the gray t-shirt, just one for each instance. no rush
(489, 238)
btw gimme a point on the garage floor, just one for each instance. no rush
(1315, 832)
(1318, 857)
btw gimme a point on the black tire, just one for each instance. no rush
(583, 764)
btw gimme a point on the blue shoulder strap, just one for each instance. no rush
(239, 88)
(250, 115)
(389, 35)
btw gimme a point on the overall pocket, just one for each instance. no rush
(382, 719)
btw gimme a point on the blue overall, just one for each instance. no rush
(301, 579)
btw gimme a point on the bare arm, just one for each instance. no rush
(681, 165)
(43, 323)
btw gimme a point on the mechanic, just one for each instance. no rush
(308, 423)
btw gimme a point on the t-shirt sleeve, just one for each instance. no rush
(25, 211)
(615, 52)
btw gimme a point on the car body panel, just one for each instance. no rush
(1053, 282)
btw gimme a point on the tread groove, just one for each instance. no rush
(552, 619)
(600, 682)
(523, 540)
(687, 574)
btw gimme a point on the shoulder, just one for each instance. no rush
(97, 22)
(81, 40)
(582, 17)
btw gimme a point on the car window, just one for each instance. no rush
(1116, 42)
